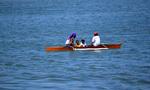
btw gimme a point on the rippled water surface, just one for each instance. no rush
(27, 27)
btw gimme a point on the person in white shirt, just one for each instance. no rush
(96, 39)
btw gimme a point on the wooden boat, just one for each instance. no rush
(100, 47)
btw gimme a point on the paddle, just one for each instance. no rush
(103, 45)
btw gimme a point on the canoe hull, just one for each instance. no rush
(59, 48)
(100, 47)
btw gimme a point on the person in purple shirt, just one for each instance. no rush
(70, 39)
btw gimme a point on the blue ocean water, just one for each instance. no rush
(27, 27)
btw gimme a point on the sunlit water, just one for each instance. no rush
(27, 27)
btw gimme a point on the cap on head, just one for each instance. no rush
(95, 33)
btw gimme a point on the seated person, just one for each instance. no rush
(70, 40)
(77, 44)
(96, 39)
(83, 44)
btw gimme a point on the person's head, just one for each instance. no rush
(77, 42)
(96, 34)
(83, 41)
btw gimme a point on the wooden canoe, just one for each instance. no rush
(100, 47)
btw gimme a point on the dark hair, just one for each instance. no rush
(96, 34)
(83, 41)
(77, 42)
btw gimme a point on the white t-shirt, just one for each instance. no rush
(96, 40)
(83, 44)
(67, 41)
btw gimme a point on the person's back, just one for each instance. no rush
(78, 44)
(96, 39)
